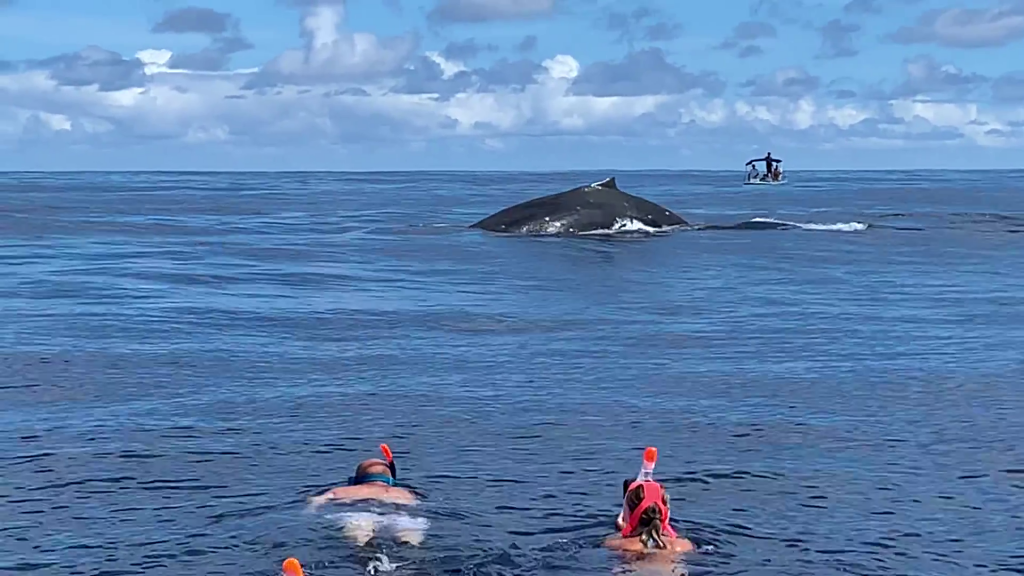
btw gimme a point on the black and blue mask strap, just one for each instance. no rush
(365, 478)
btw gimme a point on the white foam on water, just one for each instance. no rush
(836, 227)
(625, 225)
(380, 563)
(393, 522)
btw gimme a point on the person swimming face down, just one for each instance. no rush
(645, 514)
(643, 524)
(376, 481)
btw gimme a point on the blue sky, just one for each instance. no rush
(509, 84)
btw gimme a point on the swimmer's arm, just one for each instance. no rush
(320, 500)
(619, 523)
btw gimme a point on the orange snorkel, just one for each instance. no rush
(292, 567)
(391, 460)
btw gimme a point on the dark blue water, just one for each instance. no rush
(184, 358)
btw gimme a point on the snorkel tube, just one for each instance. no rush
(386, 450)
(646, 474)
(647, 468)
(292, 567)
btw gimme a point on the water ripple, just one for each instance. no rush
(186, 357)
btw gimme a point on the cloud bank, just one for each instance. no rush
(350, 88)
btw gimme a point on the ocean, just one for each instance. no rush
(186, 357)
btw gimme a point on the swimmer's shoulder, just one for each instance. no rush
(390, 494)
(399, 495)
(341, 493)
(383, 493)
(682, 545)
(617, 542)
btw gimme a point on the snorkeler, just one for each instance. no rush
(376, 481)
(643, 523)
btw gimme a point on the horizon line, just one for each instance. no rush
(491, 171)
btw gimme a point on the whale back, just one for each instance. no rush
(598, 206)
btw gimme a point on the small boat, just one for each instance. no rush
(757, 179)
(754, 176)
(765, 182)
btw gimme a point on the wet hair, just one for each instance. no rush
(373, 467)
(650, 519)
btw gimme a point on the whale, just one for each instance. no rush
(600, 206)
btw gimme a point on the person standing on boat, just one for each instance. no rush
(768, 161)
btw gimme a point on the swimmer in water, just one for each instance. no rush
(643, 523)
(375, 481)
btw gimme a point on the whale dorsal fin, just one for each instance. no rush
(606, 183)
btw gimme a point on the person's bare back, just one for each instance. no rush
(378, 492)
(675, 545)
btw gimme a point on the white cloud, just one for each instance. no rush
(449, 68)
(332, 53)
(196, 107)
(55, 122)
(342, 87)
(966, 27)
(846, 116)
(562, 67)
(155, 61)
